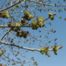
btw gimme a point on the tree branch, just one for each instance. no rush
(12, 44)
(34, 2)
(6, 26)
(6, 34)
(11, 6)
(25, 48)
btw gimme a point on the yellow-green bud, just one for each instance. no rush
(34, 25)
(1, 52)
(28, 15)
(5, 14)
(51, 16)
(40, 21)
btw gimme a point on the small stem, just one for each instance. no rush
(3, 26)
(11, 6)
(6, 34)
(12, 44)
(25, 48)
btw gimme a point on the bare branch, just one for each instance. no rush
(3, 26)
(12, 44)
(25, 48)
(6, 34)
(11, 6)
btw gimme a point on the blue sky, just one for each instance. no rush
(60, 26)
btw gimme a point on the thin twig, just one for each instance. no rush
(11, 6)
(3, 26)
(12, 44)
(6, 34)
(31, 1)
(25, 48)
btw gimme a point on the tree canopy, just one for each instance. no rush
(26, 27)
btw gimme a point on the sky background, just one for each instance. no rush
(58, 24)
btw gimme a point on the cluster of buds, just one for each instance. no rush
(51, 16)
(54, 48)
(37, 23)
(40, 21)
(23, 34)
(4, 14)
(15, 26)
(27, 15)
(44, 50)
